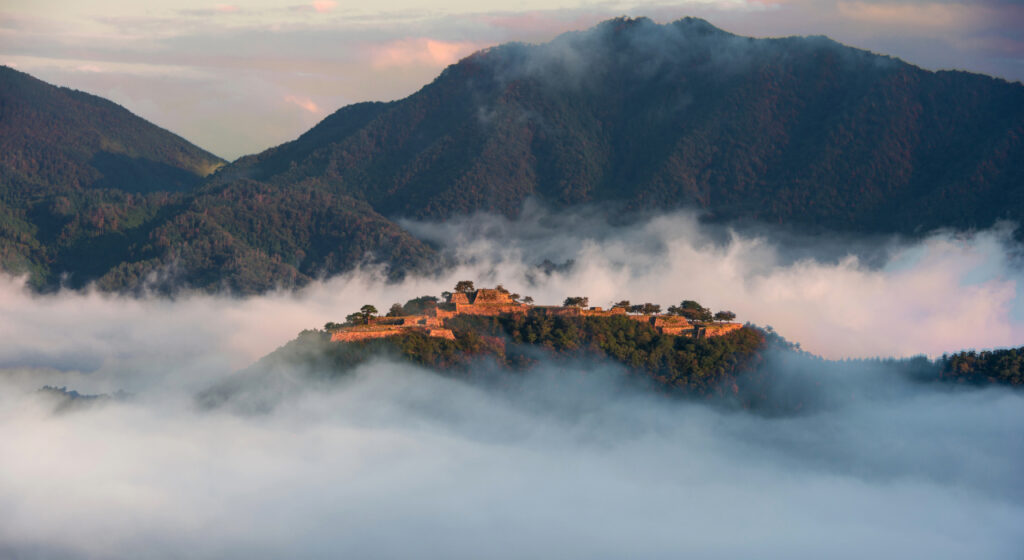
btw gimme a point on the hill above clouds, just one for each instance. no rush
(632, 115)
(801, 131)
(91, 193)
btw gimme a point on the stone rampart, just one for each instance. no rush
(488, 309)
(598, 312)
(441, 333)
(491, 303)
(721, 328)
(677, 331)
(354, 335)
(422, 321)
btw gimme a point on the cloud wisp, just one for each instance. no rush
(839, 298)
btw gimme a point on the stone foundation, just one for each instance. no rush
(353, 336)
(492, 303)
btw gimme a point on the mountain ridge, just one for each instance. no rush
(630, 115)
(91, 194)
(90, 142)
(792, 130)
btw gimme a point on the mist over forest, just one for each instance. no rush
(570, 459)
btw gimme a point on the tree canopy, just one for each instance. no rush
(725, 316)
(576, 301)
(645, 308)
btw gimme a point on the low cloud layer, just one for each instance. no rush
(398, 462)
(837, 297)
(569, 461)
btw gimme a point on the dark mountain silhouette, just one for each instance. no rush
(634, 115)
(90, 192)
(802, 131)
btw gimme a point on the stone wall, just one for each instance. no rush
(721, 328)
(441, 333)
(492, 303)
(678, 331)
(442, 314)
(492, 297)
(422, 321)
(598, 312)
(488, 309)
(670, 321)
(352, 336)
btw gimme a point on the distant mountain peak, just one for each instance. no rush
(632, 115)
(799, 130)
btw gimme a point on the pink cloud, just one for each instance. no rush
(322, 6)
(303, 102)
(420, 51)
(911, 14)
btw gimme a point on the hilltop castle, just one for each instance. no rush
(497, 301)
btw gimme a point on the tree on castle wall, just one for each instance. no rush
(692, 310)
(464, 286)
(725, 316)
(645, 308)
(576, 301)
(368, 312)
(420, 305)
(363, 316)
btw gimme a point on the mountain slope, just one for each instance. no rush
(58, 138)
(247, 238)
(90, 193)
(802, 131)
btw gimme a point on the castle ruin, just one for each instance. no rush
(493, 302)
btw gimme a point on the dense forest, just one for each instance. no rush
(1004, 366)
(751, 367)
(92, 194)
(632, 115)
(801, 131)
(518, 342)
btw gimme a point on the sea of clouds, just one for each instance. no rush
(394, 461)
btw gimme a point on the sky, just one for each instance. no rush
(238, 77)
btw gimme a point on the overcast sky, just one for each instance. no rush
(239, 77)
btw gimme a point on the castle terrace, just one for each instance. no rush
(493, 302)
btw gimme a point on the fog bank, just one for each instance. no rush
(398, 462)
(395, 461)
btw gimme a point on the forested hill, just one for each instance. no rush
(56, 139)
(90, 193)
(799, 130)
(749, 367)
